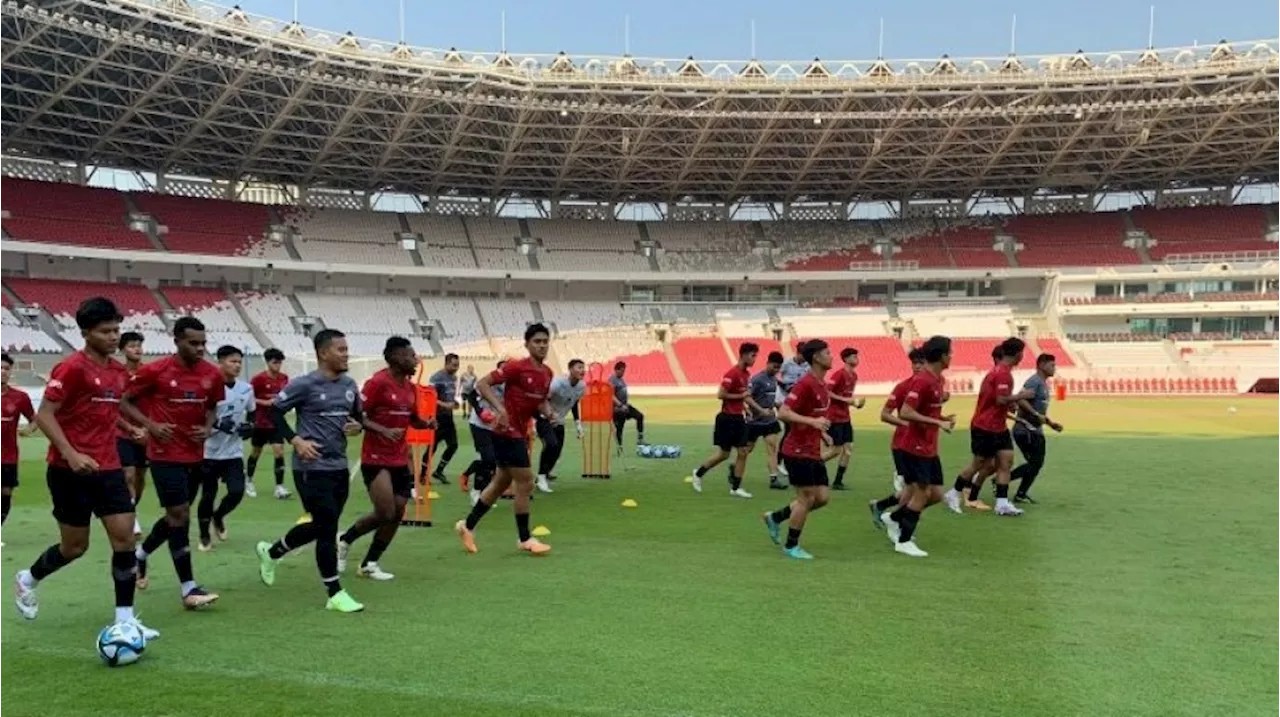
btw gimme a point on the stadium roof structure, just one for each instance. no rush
(185, 87)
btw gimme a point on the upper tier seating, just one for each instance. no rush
(578, 315)
(1204, 229)
(69, 214)
(205, 226)
(1095, 239)
(213, 307)
(273, 313)
(20, 337)
(61, 298)
(366, 320)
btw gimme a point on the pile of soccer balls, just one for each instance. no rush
(121, 644)
(647, 451)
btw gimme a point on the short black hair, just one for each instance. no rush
(450, 357)
(502, 363)
(997, 353)
(811, 348)
(394, 344)
(748, 348)
(575, 362)
(620, 364)
(228, 350)
(775, 357)
(847, 351)
(534, 329)
(935, 348)
(184, 324)
(915, 356)
(324, 337)
(1012, 346)
(6, 359)
(95, 311)
(273, 355)
(130, 337)
(1046, 358)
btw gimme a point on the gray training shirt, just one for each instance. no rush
(793, 369)
(445, 384)
(764, 390)
(619, 388)
(323, 407)
(1040, 402)
(563, 396)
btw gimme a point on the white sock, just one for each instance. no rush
(187, 587)
(140, 553)
(28, 580)
(124, 614)
(1002, 502)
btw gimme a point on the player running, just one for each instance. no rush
(989, 438)
(266, 385)
(566, 391)
(181, 394)
(527, 382)
(806, 411)
(730, 433)
(14, 404)
(445, 382)
(327, 402)
(793, 369)
(974, 475)
(764, 391)
(1028, 428)
(79, 413)
(889, 415)
(131, 440)
(921, 468)
(224, 449)
(467, 385)
(841, 384)
(390, 409)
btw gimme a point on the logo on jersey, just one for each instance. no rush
(55, 383)
(173, 383)
(350, 396)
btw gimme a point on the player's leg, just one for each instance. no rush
(974, 500)
(446, 433)
(1004, 467)
(173, 483)
(619, 424)
(895, 498)
(298, 536)
(842, 465)
(718, 456)
(329, 497)
(772, 439)
(484, 466)
(925, 477)
(277, 467)
(964, 479)
(1032, 445)
(208, 475)
(552, 446)
(738, 472)
(634, 414)
(113, 504)
(522, 479)
(8, 481)
(389, 492)
(72, 508)
(809, 477)
(232, 473)
(377, 481)
(257, 441)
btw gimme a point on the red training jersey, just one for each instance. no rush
(988, 414)
(809, 397)
(893, 403)
(924, 394)
(121, 431)
(735, 380)
(527, 384)
(265, 387)
(180, 395)
(840, 382)
(89, 396)
(14, 403)
(387, 401)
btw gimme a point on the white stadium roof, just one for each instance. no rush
(186, 87)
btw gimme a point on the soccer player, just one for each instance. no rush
(181, 394)
(989, 438)
(14, 404)
(888, 415)
(806, 410)
(479, 474)
(527, 381)
(467, 385)
(327, 402)
(764, 391)
(623, 411)
(266, 385)
(793, 369)
(389, 398)
(131, 440)
(730, 433)
(566, 391)
(921, 468)
(841, 384)
(224, 449)
(975, 474)
(445, 382)
(79, 413)
(1028, 428)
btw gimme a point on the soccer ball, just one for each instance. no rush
(662, 452)
(121, 644)
(675, 451)
(644, 451)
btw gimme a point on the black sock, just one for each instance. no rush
(159, 536)
(333, 586)
(782, 514)
(353, 534)
(205, 536)
(840, 473)
(907, 519)
(180, 550)
(1025, 485)
(699, 472)
(5, 502)
(475, 466)
(439, 471)
(298, 536)
(49, 562)
(228, 504)
(975, 491)
(252, 467)
(793, 537)
(1002, 490)
(376, 549)
(962, 483)
(477, 512)
(735, 482)
(886, 503)
(522, 526)
(124, 573)
(278, 467)
(327, 555)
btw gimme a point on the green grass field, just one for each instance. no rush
(1145, 583)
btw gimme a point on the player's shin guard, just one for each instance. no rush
(477, 514)
(49, 562)
(278, 468)
(975, 491)
(962, 484)
(376, 549)
(782, 514)
(298, 536)
(735, 480)
(1002, 491)
(907, 520)
(522, 526)
(793, 537)
(229, 503)
(124, 568)
(5, 501)
(180, 551)
(327, 559)
(252, 466)
(158, 536)
(886, 503)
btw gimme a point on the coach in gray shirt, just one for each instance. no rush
(1028, 428)
(623, 411)
(563, 397)
(792, 370)
(329, 409)
(445, 381)
(764, 390)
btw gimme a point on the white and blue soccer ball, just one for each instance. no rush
(644, 450)
(121, 644)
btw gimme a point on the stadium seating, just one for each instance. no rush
(1204, 229)
(459, 318)
(703, 359)
(583, 235)
(577, 315)
(766, 346)
(205, 226)
(61, 298)
(880, 358)
(1051, 345)
(367, 320)
(21, 337)
(1071, 240)
(222, 322)
(274, 314)
(69, 214)
(959, 321)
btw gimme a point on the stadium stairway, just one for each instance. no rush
(258, 334)
(167, 307)
(152, 235)
(668, 350)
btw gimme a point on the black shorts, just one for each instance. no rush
(806, 472)
(841, 433)
(264, 436)
(401, 478)
(899, 459)
(510, 452)
(756, 431)
(446, 431)
(132, 455)
(482, 441)
(322, 492)
(76, 497)
(985, 444)
(173, 482)
(227, 470)
(730, 432)
(9, 475)
(921, 471)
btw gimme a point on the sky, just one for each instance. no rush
(721, 29)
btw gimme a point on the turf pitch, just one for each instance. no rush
(1145, 583)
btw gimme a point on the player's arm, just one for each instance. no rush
(356, 416)
(371, 395)
(29, 413)
(889, 414)
(910, 412)
(217, 394)
(63, 381)
(141, 385)
(290, 398)
(1006, 397)
(485, 388)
